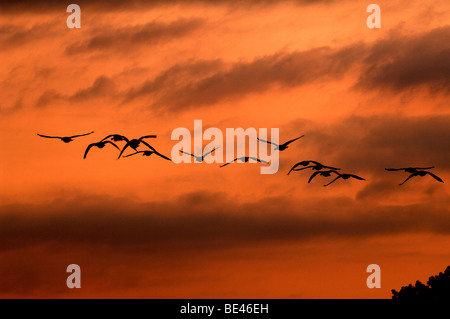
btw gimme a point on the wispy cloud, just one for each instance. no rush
(394, 64)
(13, 36)
(103, 87)
(286, 70)
(129, 38)
(40, 6)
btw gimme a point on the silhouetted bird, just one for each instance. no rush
(134, 143)
(199, 158)
(281, 147)
(118, 137)
(317, 166)
(422, 173)
(100, 144)
(245, 159)
(345, 176)
(408, 169)
(65, 139)
(148, 153)
(322, 173)
(416, 171)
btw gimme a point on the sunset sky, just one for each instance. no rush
(144, 227)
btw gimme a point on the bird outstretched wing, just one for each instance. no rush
(301, 169)
(293, 140)
(149, 146)
(73, 136)
(153, 149)
(266, 141)
(163, 156)
(332, 168)
(357, 177)
(88, 148)
(147, 136)
(435, 177)
(313, 175)
(258, 160)
(297, 165)
(112, 144)
(333, 180)
(229, 162)
(46, 136)
(409, 177)
(188, 153)
(123, 149)
(133, 154)
(206, 154)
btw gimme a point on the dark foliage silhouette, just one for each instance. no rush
(437, 288)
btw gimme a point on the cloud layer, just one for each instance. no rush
(208, 221)
(395, 64)
(116, 5)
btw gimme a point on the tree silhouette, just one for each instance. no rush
(437, 288)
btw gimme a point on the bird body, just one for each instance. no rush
(116, 138)
(322, 173)
(100, 145)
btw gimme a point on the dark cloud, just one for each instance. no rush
(18, 106)
(398, 63)
(381, 188)
(124, 39)
(395, 64)
(103, 87)
(40, 6)
(280, 69)
(204, 221)
(373, 143)
(12, 36)
(175, 76)
(48, 97)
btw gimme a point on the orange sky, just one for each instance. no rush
(143, 227)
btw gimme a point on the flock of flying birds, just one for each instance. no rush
(318, 168)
